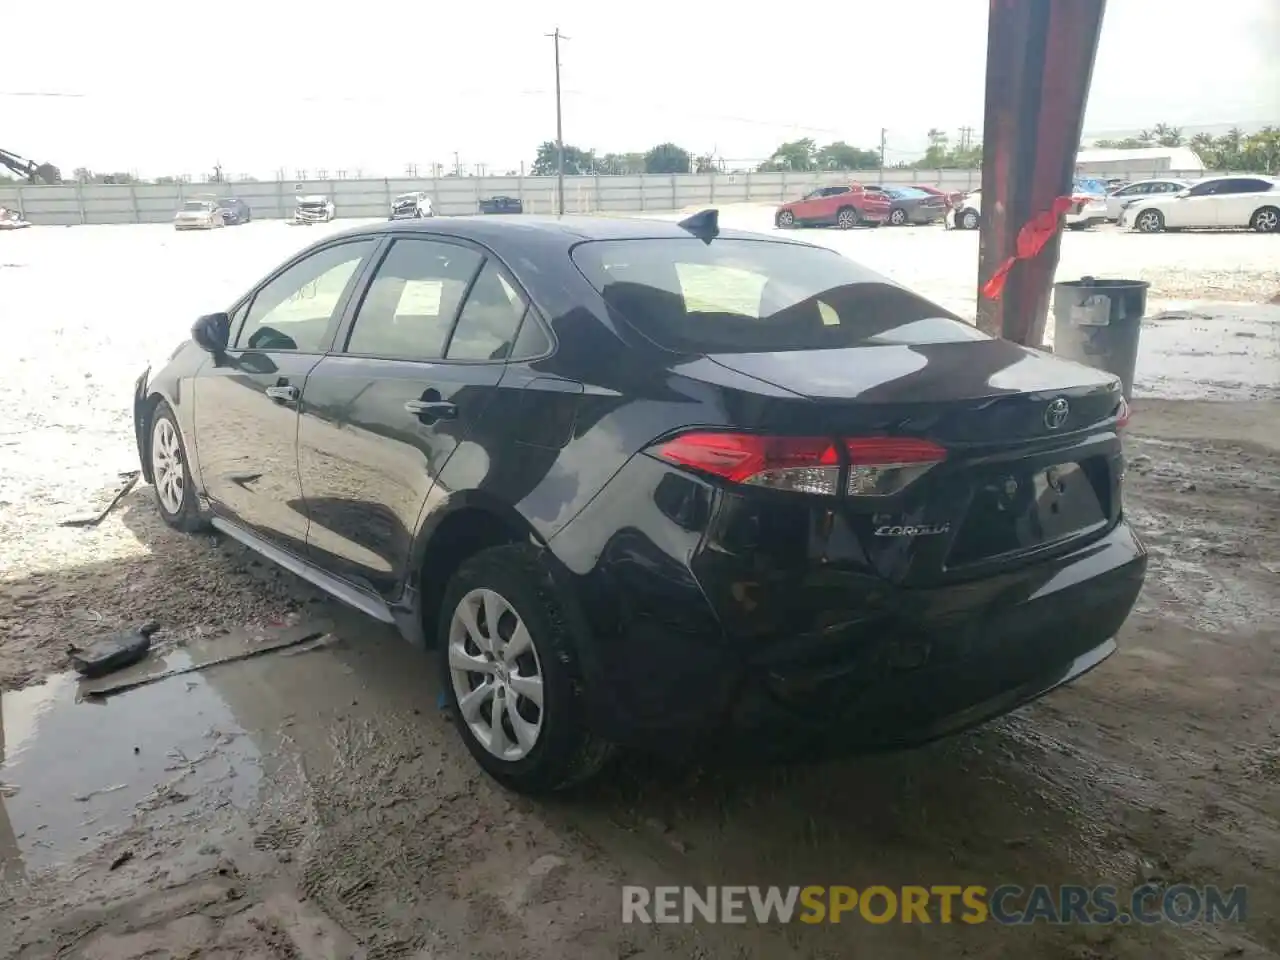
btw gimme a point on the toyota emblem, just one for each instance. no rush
(1055, 415)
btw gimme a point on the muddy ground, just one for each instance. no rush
(313, 803)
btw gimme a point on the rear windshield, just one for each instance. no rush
(745, 296)
(197, 205)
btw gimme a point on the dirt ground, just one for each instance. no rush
(312, 803)
(364, 830)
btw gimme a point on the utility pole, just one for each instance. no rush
(883, 132)
(557, 37)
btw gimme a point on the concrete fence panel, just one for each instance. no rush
(460, 196)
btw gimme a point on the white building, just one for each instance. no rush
(1136, 164)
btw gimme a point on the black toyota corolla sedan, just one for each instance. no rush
(657, 484)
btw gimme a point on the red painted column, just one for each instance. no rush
(1039, 65)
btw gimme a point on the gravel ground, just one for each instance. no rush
(368, 832)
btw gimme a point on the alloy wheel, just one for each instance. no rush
(1266, 221)
(970, 220)
(898, 218)
(786, 218)
(845, 219)
(496, 674)
(1149, 222)
(167, 470)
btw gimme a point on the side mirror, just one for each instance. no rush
(1182, 194)
(212, 333)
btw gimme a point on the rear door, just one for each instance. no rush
(1239, 201)
(405, 391)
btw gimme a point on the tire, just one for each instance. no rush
(171, 482)
(897, 217)
(1149, 221)
(785, 219)
(847, 218)
(1266, 220)
(557, 750)
(967, 219)
(1077, 226)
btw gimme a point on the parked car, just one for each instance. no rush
(564, 454)
(314, 208)
(908, 205)
(846, 206)
(1222, 202)
(967, 214)
(12, 220)
(1120, 198)
(198, 213)
(1088, 204)
(411, 206)
(234, 210)
(1087, 209)
(502, 205)
(952, 197)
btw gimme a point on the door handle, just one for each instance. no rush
(429, 411)
(283, 393)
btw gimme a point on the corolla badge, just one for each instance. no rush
(912, 529)
(1055, 415)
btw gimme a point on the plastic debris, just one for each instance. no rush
(114, 652)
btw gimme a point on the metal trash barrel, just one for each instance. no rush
(1097, 322)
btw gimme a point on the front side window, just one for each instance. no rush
(743, 296)
(411, 303)
(293, 311)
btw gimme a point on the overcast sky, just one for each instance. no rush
(174, 86)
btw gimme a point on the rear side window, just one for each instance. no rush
(490, 318)
(744, 296)
(408, 310)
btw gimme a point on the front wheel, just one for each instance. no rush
(847, 218)
(171, 473)
(898, 217)
(968, 219)
(1076, 226)
(785, 219)
(510, 674)
(1149, 221)
(1266, 220)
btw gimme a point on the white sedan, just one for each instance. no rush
(1117, 200)
(1221, 202)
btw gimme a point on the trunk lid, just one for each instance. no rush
(1033, 461)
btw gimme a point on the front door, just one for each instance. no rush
(403, 394)
(246, 404)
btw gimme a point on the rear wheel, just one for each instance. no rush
(847, 218)
(898, 217)
(1266, 220)
(967, 219)
(785, 219)
(510, 675)
(170, 472)
(1149, 221)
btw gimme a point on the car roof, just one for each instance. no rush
(566, 232)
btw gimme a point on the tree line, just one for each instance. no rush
(1234, 150)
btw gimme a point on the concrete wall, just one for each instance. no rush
(156, 203)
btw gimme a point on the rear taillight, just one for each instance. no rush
(800, 464)
(1122, 414)
(878, 466)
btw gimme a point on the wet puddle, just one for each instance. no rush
(76, 768)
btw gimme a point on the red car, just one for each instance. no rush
(952, 197)
(846, 206)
